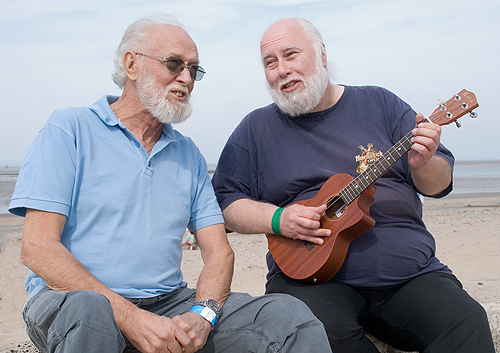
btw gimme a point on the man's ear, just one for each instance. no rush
(323, 56)
(130, 65)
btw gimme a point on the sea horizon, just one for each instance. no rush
(470, 177)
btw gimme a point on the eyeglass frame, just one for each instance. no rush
(199, 70)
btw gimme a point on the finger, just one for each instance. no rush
(175, 347)
(424, 143)
(184, 340)
(308, 212)
(196, 327)
(319, 209)
(312, 228)
(419, 118)
(311, 239)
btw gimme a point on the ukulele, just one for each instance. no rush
(348, 201)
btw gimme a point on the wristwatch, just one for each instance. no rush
(208, 309)
(211, 304)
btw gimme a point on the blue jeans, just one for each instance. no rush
(83, 321)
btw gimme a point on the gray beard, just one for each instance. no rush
(300, 103)
(154, 99)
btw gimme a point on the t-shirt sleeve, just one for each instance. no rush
(408, 122)
(232, 177)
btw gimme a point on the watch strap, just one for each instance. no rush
(205, 312)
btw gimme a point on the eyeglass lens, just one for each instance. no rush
(176, 65)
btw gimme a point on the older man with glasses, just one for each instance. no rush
(107, 192)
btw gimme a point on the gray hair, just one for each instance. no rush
(314, 35)
(318, 44)
(134, 40)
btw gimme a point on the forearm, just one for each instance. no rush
(249, 217)
(433, 177)
(43, 253)
(215, 279)
(296, 221)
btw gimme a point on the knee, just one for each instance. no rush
(284, 304)
(85, 304)
(71, 319)
(85, 316)
(474, 315)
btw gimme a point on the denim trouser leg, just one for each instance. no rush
(83, 321)
(62, 322)
(266, 324)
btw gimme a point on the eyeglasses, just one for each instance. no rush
(176, 65)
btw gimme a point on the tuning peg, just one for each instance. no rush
(457, 123)
(473, 115)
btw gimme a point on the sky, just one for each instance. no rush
(57, 53)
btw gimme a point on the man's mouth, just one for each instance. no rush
(289, 85)
(179, 93)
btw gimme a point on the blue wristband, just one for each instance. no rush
(206, 313)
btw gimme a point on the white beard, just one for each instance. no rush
(298, 103)
(154, 98)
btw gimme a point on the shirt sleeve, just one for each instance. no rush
(46, 179)
(204, 209)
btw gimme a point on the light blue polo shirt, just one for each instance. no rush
(126, 211)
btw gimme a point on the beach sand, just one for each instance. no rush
(466, 228)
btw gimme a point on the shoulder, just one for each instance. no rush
(66, 121)
(257, 121)
(185, 146)
(73, 118)
(178, 138)
(374, 92)
(258, 115)
(376, 96)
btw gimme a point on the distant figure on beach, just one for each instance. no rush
(189, 240)
(107, 192)
(391, 284)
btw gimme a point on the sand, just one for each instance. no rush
(466, 228)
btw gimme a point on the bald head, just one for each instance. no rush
(161, 38)
(295, 27)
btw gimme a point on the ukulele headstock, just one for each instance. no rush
(457, 106)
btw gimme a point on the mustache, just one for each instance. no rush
(178, 88)
(286, 81)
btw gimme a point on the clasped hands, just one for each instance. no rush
(151, 333)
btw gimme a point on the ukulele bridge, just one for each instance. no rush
(309, 246)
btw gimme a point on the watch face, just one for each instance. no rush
(212, 304)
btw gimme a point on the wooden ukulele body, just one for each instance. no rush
(312, 263)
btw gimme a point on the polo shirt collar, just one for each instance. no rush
(103, 110)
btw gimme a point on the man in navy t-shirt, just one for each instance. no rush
(391, 284)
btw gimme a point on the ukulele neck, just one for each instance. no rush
(377, 169)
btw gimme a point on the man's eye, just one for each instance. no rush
(270, 63)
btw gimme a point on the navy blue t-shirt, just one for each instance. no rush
(274, 158)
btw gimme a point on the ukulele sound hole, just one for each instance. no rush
(335, 208)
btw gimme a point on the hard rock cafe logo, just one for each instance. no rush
(368, 156)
